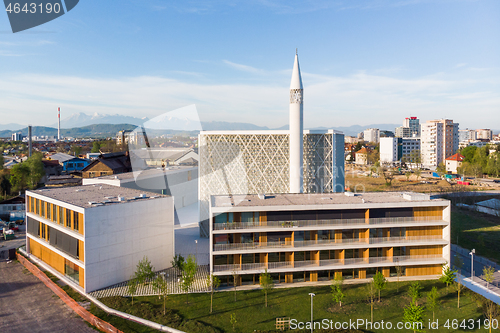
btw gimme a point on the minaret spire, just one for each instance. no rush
(296, 128)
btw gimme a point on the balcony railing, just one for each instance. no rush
(327, 242)
(311, 223)
(326, 264)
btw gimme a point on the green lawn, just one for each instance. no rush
(476, 230)
(251, 315)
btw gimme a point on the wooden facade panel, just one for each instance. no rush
(80, 223)
(51, 258)
(425, 250)
(313, 277)
(81, 251)
(82, 277)
(428, 212)
(424, 231)
(423, 270)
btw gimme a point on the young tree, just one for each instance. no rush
(458, 287)
(19, 175)
(96, 147)
(432, 301)
(233, 321)
(178, 262)
(441, 169)
(161, 286)
(448, 276)
(408, 175)
(490, 311)
(413, 314)
(418, 173)
(371, 292)
(488, 274)
(235, 282)
(132, 288)
(337, 292)
(414, 292)
(399, 272)
(266, 283)
(188, 275)
(36, 169)
(144, 271)
(213, 282)
(380, 282)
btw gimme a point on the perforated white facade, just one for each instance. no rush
(253, 162)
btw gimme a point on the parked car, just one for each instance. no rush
(496, 181)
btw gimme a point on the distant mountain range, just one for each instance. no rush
(82, 119)
(104, 125)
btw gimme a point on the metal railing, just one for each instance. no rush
(332, 222)
(326, 242)
(327, 264)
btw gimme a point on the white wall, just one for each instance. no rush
(118, 236)
(388, 150)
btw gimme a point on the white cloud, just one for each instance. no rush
(360, 98)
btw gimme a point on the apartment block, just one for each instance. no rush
(315, 237)
(390, 150)
(485, 134)
(94, 235)
(413, 123)
(372, 135)
(439, 140)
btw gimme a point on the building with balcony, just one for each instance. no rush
(372, 135)
(439, 140)
(314, 237)
(93, 236)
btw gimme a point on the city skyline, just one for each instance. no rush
(375, 62)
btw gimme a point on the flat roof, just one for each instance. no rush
(315, 199)
(267, 132)
(87, 196)
(144, 174)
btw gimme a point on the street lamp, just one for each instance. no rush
(196, 258)
(312, 322)
(471, 253)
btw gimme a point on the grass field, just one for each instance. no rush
(251, 315)
(476, 230)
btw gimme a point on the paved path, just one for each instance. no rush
(27, 305)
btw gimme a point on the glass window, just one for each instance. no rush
(54, 210)
(221, 218)
(42, 208)
(72, 271)
(49, 211)
(273, 257)
(76, 220)
(60, 217)
(247, 217)
(67, 217)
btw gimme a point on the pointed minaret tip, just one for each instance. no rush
(296, 82)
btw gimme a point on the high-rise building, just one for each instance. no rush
(372, 135)
(485, 134)
(413, 123)
(466, 135)
(390, 149)
(439, 140)
(402, 132)
(17, 137)
(253, 162)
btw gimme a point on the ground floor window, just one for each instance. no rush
(72, 271)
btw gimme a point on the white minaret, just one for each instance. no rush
(296, 129)
(58, 124)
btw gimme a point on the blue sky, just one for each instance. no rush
(362, 61)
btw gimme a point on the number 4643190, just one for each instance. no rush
(33, 8)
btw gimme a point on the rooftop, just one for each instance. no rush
(318, 199)
(456, 157)
(88, 196)
(145, 173)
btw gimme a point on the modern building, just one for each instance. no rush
(402, 132)
(278, 161)
(315, 237)
(371, 135)
(410, 150)
(390, 150)
(454, 162)
(485, 134)
(466, 135)
(439, 140)
(181, 182)
(17, 137)
(93, 236)
(413, 123)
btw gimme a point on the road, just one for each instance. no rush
(27, 305)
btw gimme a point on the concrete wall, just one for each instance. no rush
(118, 236)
